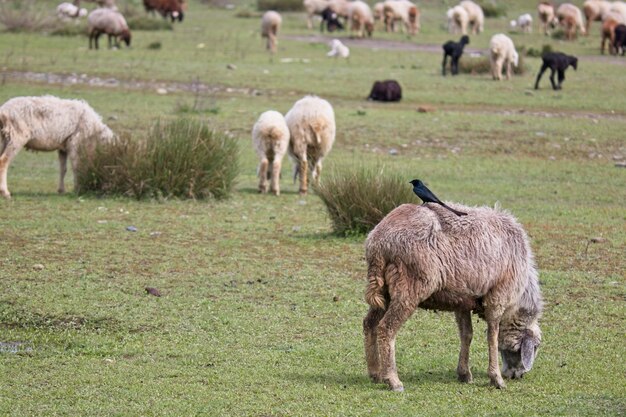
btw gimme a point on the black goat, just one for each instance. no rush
(331, 19)
(620, 39)
(388, 90)
(454, 50)
(558, 62)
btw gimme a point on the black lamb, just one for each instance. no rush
(557, 62)
(388, 90)
(619, 41)
(331, 19)
(454, 50)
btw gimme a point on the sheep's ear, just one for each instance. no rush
(528, 352)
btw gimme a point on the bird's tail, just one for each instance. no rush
(458, 213)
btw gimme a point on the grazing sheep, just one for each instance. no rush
(361, 18)
(340, 7)
(166, 8)
(595, 10)
(610, 22)
(388, 90)
(67, 12)
(547, 16)
(331, 19)
(502, 52)
(524, 22)
(558, 62)
(571, 18)
(454, 50)
(110, 22)
(458, 20)
(270, 25)
(311, 123)
(270, 138)
(620, 39)
(404, 11)
(619, 8)
(475, 15)
(427, 257)
(379, 12)
(338, 49)
(48, 124)
(314, 7)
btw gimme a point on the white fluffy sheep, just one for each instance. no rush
(427, 257)
(502, 52)
(67, 12)
(524, 23)
(571, 18)
(379, 12)
(340, 7)
(48, 124)
(619, 8)
(107, 21)
(338, 49)
(361, 18)
(475, 15)
(547, 16)
(270, 25)
(403, 11)
(311, 123)
(458, 20)
(595, 10)
(270, 138)
(314, 7)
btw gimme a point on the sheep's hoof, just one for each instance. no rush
(61, 191)
(395, 387)
(375, 378)
(6, 194)
(275, 192)
(466, 378)
(303, 192)
(498, 383)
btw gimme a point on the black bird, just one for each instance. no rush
(427, 196)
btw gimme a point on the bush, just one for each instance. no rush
(358, 199)
(182, 158)
(492, 9)
(147, 23)
(280, 5)
(482, 65)
(70, 29)
(538, 53)
(25, 16)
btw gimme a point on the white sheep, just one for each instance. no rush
(48, 124)
(619, 8)
(270, 25)
(379, 12)
(67, 12)
(270, 138)
(314, 7)
(425, 256)
(524, 22)
(340, 7)
(595, 10)
(458, 20)
(361, 18)
(571, 18)
(338, 49)
(547, 16)
(502, 52)
(475, 15)
(311, 123)
(109, 21)
(403, 11)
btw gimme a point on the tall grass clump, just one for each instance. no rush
(182, 158)
(147, 23)
(492, 9)
(280, 5)
(482, 65)
(25, 16)
(357, 199)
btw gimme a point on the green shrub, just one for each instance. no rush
(148, 23)
(558, 34)
(357, 199)
(70, 29)
(482, 65)
(280, 5)
(537, 53)
(182, 158)
(26, 16)
(492, 9)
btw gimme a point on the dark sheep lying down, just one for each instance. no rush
(454, 50)
(388, 90)
(557, 62)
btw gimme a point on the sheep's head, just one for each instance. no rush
(369, 28)
(515, 58)
(126, 37)
(518, 349)
(464, 40)
(573, 61)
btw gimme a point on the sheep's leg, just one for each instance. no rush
(561, 73)
(493, 328)
(274, 187)
(63, 170)
(554, 86)
(455, 65)
(263, 175)
(544, 67)
(445, 62)
(464, 322)
(508, 69)
(304, 172)
(370, 325)
(317, 172)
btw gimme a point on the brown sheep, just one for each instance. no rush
(174, 9)
(425, 256)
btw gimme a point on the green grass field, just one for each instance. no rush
(261, 304)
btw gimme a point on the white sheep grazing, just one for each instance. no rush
(340, 7)
(458, 20)
(311, 123)
(48, 124)
(524, 22)
(595, 10)
(109, 21)
(270, 25)
(338, 49)
(502, 52)
(427, 257)
(619, 8)
(361, 18)
(67, 12)
(571, 18)
(314, 7)
(403, 11)
(475, 15)
(547, 16)
(270, 138)
(379, 12)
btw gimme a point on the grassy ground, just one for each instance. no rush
(262, 307)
